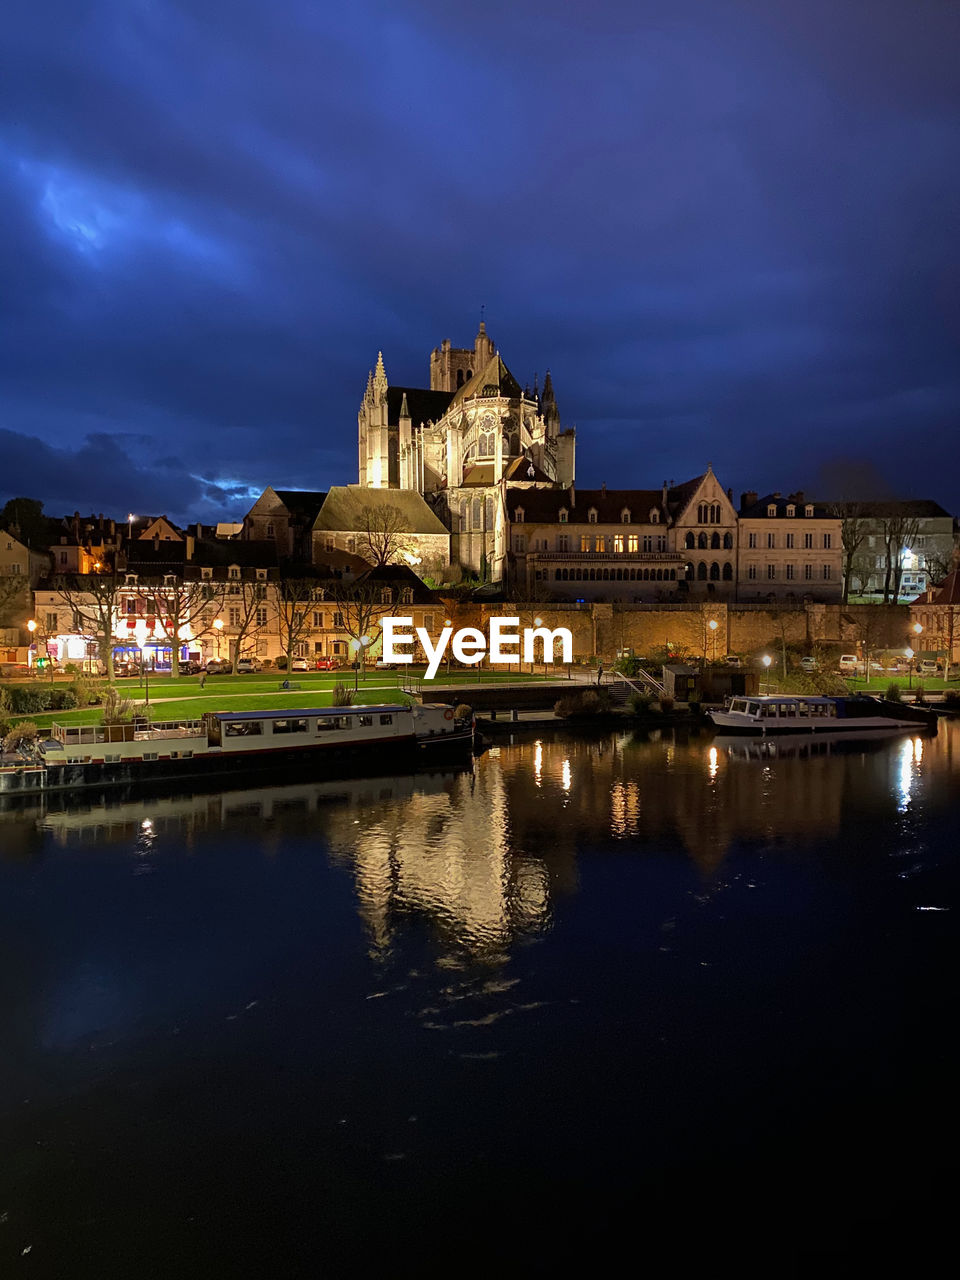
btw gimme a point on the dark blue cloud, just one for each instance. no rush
(728, 229)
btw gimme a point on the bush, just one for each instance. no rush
(590, 702)
(893, 692)
(120, 710)
(639, 703)
(22, 737)
(342, 696)
(628, 666)
(267, 664)
(952, 698)
(666, 703)
(920, 693)
(5, 727)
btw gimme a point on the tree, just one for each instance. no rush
(179, 606)
(853, 533)
(383, 536)
(247, 601)
(295, 595)
(25, 519)
(94, 601)
(898, 531)
(938, 564)
(13, 597)
(360, 605)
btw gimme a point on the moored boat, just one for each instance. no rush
(320, 740)
(782, 713)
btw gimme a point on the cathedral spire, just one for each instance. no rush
(380, 378)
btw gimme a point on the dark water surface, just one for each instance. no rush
(602, 1003)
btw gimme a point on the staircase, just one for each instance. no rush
(621, 687)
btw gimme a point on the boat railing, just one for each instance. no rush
(79, 734)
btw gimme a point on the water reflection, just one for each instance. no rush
(484, 854)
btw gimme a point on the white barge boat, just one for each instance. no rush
(781, 713)
(320, 741)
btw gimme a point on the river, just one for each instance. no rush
(678, 996)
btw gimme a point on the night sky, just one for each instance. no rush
(729, 229)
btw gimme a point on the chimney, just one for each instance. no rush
(798, 497)
(156, 542)
(776, 496)
(603, 489)
(573, 497)
(748, 498)
(664, 493)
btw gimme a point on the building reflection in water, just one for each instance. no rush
(485, 854)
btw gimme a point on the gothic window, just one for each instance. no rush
(702, 513)
(514, 445)
(459, 377)
(715, 513)
(464, 514)
(488, 510)
(592, 516)
(688, 569)
(701, 572)
(714, 572)
(715, 542)
(728, 572)
(702, 541)
(477, 514)
(689, 541)
(728, 542)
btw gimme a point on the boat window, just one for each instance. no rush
(386, 719)
(243, 729)
(324, 726)
(365, 720)
(770, 709)
(736, 705)
(803, 708)
(289, 726)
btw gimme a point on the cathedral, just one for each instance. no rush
(464, 443)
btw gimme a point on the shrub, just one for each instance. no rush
(639, 703)
(666, 703)
(628, 666)
(5, 727)
(342, 696)
(920, 693)
(588, 703)
(893, 692)
(267, 664)
(120, 710)
(952, 698)
(22, 737)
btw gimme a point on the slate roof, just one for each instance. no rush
(398, 576)
(251, 553)
(545, 504)
(303, 503)
(343, 510)
(424, 406)
(494, 374)
(922, 508)
(758, 510)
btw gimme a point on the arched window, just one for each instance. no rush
(715, 542)
(562, 515)
(715, 513)
(673, 575)
(701, 572)
(728, 542)
(592, 516)
(476, 513)
(714, 572)
(702, 541)
(689, 569)
(488, 512)
(702, 513)
(690, 541)
(556, 575)
(518, 515)
(386, 596)
(464, 514)
(406, 595)
(728, 572)
(625, 515)
(514, 445)
(654, 516)
(459, 377)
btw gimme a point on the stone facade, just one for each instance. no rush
(790, 549)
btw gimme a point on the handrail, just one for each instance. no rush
(647, 679)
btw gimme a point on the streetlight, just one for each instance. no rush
(31, 627)
(448, 623)
(146, 676)
(218, 627)
(713, 624)
(766, 663)
(130, 519)
(909, 653)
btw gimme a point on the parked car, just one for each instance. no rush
(299, 664)
(327, 664)
(849, 664)
(733, 660)
(217, 667)
(385, 666)
(809, 664)
(928, 667)
(247, 665)
(191, 668)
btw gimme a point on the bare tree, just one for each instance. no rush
(383, 536)
(899, 531)
(179, 606)
(938, 564)
(360, 606)
(854, 527)
(295, 595)
(94, 603)
(246, 603)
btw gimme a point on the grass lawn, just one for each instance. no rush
(183, 699)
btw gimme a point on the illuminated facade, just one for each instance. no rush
(791, 549)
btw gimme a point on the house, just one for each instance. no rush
(791, 549)
(392, 526)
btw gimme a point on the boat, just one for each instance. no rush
(318, 740)
(780, 713)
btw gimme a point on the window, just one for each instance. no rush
(206, 574)
(243, 729)
(563, 542)
(261, 575)
(728, 572)
(338, 619)
(826, 573)
(233, 617)
(406, 595)
(728, 542)
(290, 726)
(827, 538)
(592, 516)
(131, 605)
(271, 531)
(63, 557)
(789, 541)
(772, 509)
(598, 543)
(701, 572)
(714, 572)
(751, 571)
(520, 542)
(808, 509)
(752, 540)
(633, 542)
(339, 647)
(233, 571)
(625, 516)
(352, 545)
(331, 543)
(771, 571)
(261, 617)
(518, 515)
(51, 623)
(318, 620)
(790, 572)
(771, 541)
(386, 719)
(654, 516)
(807, 572)
(807, 541)
(584, 542)
(563, 514)
(386, 596)
(791, 509)
(648, 541)
(702, 541)
(689, 542)
(715, 542)
(618, 543)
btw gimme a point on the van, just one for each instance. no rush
(849, 664)
(928, 667)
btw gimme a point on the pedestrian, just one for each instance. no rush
(203, 678)
(599, 673)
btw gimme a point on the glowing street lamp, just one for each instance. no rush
(713, 624)
(910, 656)
(218, 627)
(766, 663)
